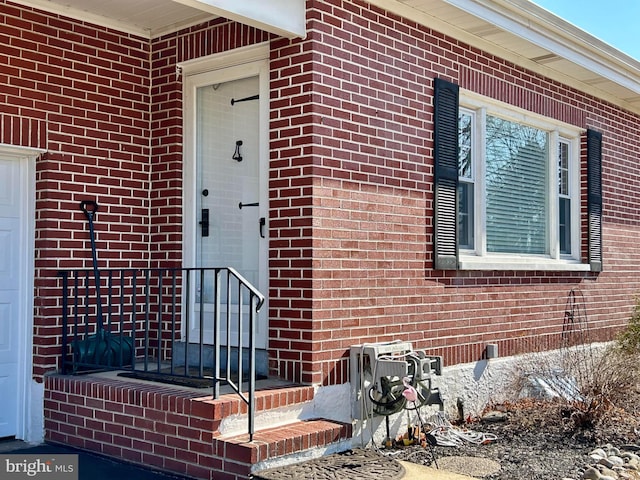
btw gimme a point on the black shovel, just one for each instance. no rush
(103, 348)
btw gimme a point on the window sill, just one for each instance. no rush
(514, 262)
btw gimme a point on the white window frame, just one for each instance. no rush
(478, 258)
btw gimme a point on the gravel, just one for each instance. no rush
(539, 440)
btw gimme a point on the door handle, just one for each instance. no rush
(254, 204)
(204, 223)
(263, 222)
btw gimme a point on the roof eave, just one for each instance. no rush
(617, 74)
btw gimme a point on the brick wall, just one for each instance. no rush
(350, 183)
(352, 200)
(145, 424)
(81, 93)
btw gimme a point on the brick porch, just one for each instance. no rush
(179, 430)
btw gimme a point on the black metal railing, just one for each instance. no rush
(165, 324)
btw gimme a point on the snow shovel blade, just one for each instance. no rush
(104, 349)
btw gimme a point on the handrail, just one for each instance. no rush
(249, 286)
(148, 314)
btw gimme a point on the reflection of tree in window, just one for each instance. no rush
(464, 145)
(564, 194)
(465, 182)
(516, 157)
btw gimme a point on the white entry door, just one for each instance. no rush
(228, 150)
(12, 316)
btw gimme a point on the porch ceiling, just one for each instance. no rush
(154, 18)
(516, 30)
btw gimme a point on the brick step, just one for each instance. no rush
(244, 457)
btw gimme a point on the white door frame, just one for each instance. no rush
(29, 395)
(227, 66)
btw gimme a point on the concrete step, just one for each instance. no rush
(273, 407)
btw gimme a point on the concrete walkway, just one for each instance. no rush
(414, 471)
(366, 464)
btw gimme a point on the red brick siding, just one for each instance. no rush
(351, 188)
(149, 424)
(81, 93)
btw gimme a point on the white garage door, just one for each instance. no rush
(16, 285)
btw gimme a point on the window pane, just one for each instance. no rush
(465, 215)
(563, 168)
(464, 145)
(564, 208)
(465, 182)
(564, 216)
(515, 188)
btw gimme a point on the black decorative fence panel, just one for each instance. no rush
(176, 325)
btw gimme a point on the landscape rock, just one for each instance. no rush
(616, 460)
(606, 471)
(591, 473)
(494, 416)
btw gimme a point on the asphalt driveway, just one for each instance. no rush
(90, 466)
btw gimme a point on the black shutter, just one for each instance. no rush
(594, 198)
(445, 153)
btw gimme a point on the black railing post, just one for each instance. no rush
(201, 325)
(216, 333)
(173, 315)
(160, 317)
(228, 326)
(76, 319)
(65, 318)
(147, 320)
(187, 315)
(134, 314)
(240, 330)
(252, 365)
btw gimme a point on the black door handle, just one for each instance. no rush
(263, 222)
(254, 204)
(204, 223)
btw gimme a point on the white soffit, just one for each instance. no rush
(286, 18)
(154, 18)
(142, 18)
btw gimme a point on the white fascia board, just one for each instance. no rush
(286, 18)
(523, 20)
